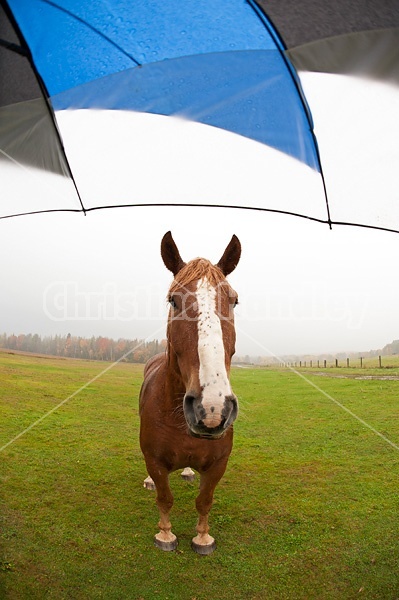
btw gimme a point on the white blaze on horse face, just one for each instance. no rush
(213, 376)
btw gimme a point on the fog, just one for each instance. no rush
(302, 288)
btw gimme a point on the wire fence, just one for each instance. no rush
(361, 362)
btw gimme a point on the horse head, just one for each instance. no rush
(201, 336)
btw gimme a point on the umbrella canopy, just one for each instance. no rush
(189, 103)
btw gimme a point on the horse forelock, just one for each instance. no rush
(197, 269)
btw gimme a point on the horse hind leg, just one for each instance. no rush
(187, 474)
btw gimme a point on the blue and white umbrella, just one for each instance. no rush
(151, 102)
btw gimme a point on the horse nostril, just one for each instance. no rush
(230, 410)
(193, 408)
(188, 407)
(193, 401)
(190, 403)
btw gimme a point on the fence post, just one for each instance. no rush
(336, 362)
(361, 361)
(325, 363)
(379, 361)
(347, 362)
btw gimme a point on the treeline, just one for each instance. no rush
(94, 348)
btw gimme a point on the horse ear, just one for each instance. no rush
(170, 254)
(231, 256)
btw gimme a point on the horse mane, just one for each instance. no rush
(199, 268)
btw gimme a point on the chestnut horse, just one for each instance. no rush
(187, 406)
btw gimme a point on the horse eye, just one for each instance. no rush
(172, 302)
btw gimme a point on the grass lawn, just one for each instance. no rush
(308, 507)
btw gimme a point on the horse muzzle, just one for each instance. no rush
(207, 419)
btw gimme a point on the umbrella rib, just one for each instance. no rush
(13, 47)
(323, 181)
(364, 226)
(160, 204)
(281, 47)
(175, 204)
(238, 207)
(41, 212)
(86, 24)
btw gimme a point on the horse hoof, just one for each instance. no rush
(166, 546)
(203, 549)
(188, 474)
(149, 484)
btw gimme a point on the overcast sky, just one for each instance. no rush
(302, 288)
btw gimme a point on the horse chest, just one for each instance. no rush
(188, 451)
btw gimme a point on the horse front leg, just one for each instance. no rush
(165, 539)
(203, 543)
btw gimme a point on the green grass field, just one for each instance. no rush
(308, 507)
